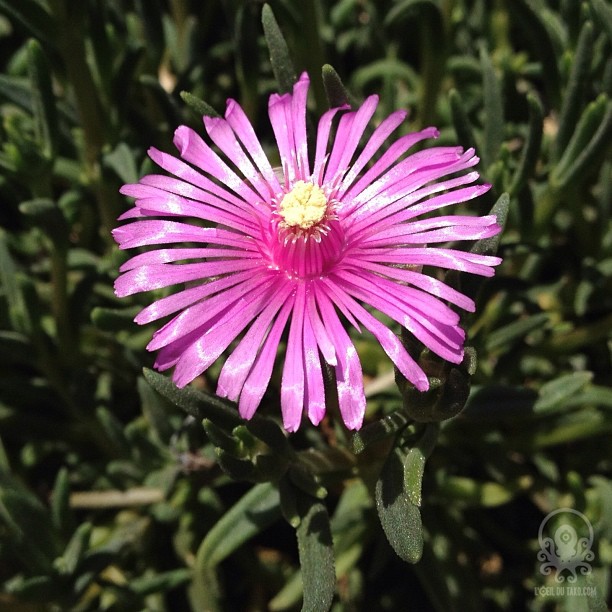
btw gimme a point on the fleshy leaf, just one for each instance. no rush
(399, 517)
(316, 555)
(282, 66)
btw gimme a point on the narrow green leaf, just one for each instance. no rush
(271, 434)
(603, 11)
(487, 494)
(516, 330)
(414, 463)
(33, 17)
(588, 144)
(288, 501)
(574, 92)
(336, 92)
(387, 426)
(114, 319)
(26, 527)
(493, 110)
(160, 582)
(16, 90)
(75, 550)
(532, 22)
(531, 149)
(45, 114)
(221, 438)
(489, 246)
(61, 513)
(316, 553)
(554, 394)
(461, 123)
(121, 160)
(282, 66)
(199, 404)
(306, 481)
(151, 13)
(199, 107)
(157, 410)
(114, 430)
(234, 467)
(399, 517)
(256, 510)
(9, 282)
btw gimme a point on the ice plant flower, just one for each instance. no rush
(327, 240)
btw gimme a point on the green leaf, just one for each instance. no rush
(399, 517)
(33, 17)
(16, 302)
(531, 149)
(114, 319)
(336, 92)
(493, 110)
(461, 123)
(316, 553)
(554, 394)
(157, 410)
(61, 513)
(517, 330)
(282, 66)
(532, 22)
(489, 246)
(574, 92)
(45, 114)
(374, 432)
(199, 107)
(199, 404)
(27, 530)
(256, 510)
(603, 11)
(414, 463)
(75, 550)
(121, 160)
(590, 140)
(160, 582)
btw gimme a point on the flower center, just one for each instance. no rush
(303, 207)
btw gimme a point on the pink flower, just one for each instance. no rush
(327, 237)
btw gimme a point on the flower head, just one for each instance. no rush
(329, 236)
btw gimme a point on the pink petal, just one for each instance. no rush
(236, 117)
(350, 131)
(200, 355)
(390, 343)
(315, 388)
(149, 232)
(292, 385)
(173, 255)
(381, 133)
(156, 276)
(422, 282)
(238, 365)
(178, 301)
(443, 258)
(259, 377)
(389, 157)
(204, 315)
(223, 136)
(193, 149)
(323, 131)
(349, 376)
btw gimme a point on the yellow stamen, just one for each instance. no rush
(304, 206)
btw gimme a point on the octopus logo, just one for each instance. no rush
(568, 551)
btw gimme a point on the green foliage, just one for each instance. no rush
(119, 491)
